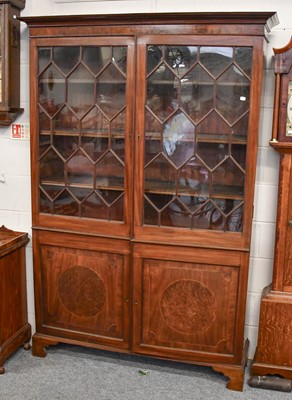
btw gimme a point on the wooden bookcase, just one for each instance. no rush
(144, 141)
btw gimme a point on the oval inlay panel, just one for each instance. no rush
(187, 306)
(81, 291)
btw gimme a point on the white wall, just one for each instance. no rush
(15, 207)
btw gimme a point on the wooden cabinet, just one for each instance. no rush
(15, 330)
(144, 136)
(10, 60)
(273, 354)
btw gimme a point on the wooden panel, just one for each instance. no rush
(274, 342)
(189, 23)
(13, 312)
(288, 230)
(181, 305)
(14, 328)
(83, 290)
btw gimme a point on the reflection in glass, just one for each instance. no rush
(44, 143)
(243, 58)
(178, 139)
(51, 90)
(232, 89)
(44, 58)
(162, 92)
(196, 124)
(216, 59)
(95, 58)
(109, 172)
(66, 57)
(65, 204)
(51, 168)
(197, 93)
(80, 90)
(65, 146)
(80, 170)
(181, 58)
(111, 91)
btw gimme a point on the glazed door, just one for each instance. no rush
(83, 128)
(197, 139)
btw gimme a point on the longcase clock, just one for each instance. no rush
(274, 351)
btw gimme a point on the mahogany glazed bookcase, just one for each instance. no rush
(144, 141)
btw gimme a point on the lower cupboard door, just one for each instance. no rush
(83, 290)
(188, 307)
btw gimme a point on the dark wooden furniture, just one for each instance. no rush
(10, 60)
(274, 353)
(15, 331)
(144, 136)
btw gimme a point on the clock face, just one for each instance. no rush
(289, 111)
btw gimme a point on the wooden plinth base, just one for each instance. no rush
(235, 373)
(20, 338)
(274, 351)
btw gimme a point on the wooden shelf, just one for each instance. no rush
(214, 192)
(83, 133)
(200, 138)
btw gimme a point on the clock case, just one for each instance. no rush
(10, 61)
(274, 353)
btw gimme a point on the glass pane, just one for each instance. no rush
(179, 139)
(46, 205)
(232, 94)
(216, 59)
(197, 93)
(66, 58)
(65, 121)
(65, 146)
(44, 58)
(120, 57)
(80, 193)
(240, 128)
(243, 58)
(65, 204)
(176, 214)
(154, 57)
(116, 211)
(80, 170)
(196, 125)
(44, 122)
(80, 91)
(213, 127)
(160, 175)
(51, 90)
(181, 58)
(51, 168)
(109, 173)
(111, 91)
(94, 207)
(96, 58)
(193, 179)
(44, 143)
(162, 88)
